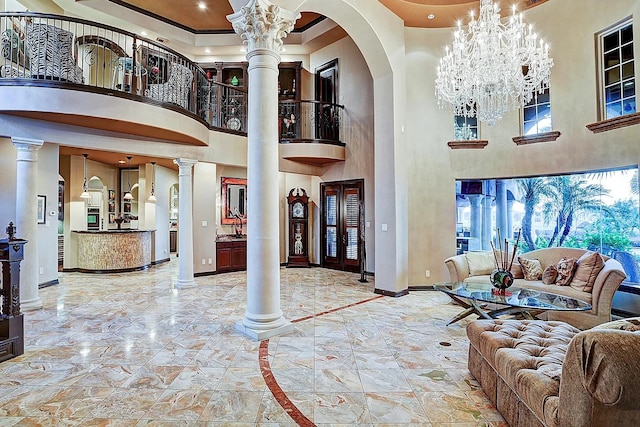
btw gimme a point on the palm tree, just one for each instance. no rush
(571, 194)
(531, 190)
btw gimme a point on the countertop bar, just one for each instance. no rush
(113, 251)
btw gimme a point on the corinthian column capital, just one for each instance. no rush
(263, 25)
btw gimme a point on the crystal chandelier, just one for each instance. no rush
(493, 68)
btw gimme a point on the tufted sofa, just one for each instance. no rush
(540, 373)
(600, 297)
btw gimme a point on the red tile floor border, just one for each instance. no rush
(280, 396)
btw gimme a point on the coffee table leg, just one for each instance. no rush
(471, 307)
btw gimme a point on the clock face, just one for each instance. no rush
(234, 123)
(298, 210)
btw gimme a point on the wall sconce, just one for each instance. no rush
(128, 195)
(152, 197)
(85, 186)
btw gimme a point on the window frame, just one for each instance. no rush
(534, 103)
(466, 119)
(602, 70)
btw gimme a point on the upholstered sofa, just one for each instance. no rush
(463, 268)
(540, 373)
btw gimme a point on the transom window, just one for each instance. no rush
(617, 68)
(536, 115)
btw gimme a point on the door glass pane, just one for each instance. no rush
(332, 244)
(352, 243)
(332, 210)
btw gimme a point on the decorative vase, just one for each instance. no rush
(501, 279)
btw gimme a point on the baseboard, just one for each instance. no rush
(390, 293)
(160, 261)
(205, 273)
(421, 288)
(49, 283)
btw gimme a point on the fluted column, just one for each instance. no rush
(185, 218)
(26, 220)
(262, 25)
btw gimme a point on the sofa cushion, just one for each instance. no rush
(549, 275)
(566, 267)
(480, 263)
(588, 267)
(516, 270)
(531, 268)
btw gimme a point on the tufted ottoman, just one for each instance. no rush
(518, 364)
(541, 373)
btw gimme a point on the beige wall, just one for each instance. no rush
(433, 167)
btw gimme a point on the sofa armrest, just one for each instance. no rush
(458, 268)
(605, 286)
(600, 377)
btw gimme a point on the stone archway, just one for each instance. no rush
(379, 34)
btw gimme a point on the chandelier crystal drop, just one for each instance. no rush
(492, 68)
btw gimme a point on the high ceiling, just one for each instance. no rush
(416, 13)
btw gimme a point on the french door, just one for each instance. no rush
(326, 83)
(341, 209)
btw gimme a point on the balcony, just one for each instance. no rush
(41, 50)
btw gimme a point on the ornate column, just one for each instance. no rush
(185, 218)
(262, 26)
(26, 220)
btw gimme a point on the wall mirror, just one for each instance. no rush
(234, 200)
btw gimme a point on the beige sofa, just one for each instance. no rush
(600, 297)
(540, 373)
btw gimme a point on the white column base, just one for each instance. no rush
(183, 284)
(31, 304)
(264, 328)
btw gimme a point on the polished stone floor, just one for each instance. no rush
(132, 350)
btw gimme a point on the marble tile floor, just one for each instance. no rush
(132, 350)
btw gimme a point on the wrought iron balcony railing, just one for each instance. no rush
(53, 50)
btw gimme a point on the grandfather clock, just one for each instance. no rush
(298, 224)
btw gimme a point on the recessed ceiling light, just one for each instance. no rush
(143, 33)
(283, 49)
(243, 49)
(122, 162)
(207, 50)
(202, 5)
(431, 16)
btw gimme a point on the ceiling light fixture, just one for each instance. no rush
(152, 197)
(493, 68)
(202, 5)
(128, 195)
(431, 16)
(85, 185)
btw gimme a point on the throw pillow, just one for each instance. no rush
(516, 270)
(566, 267)
(549, 275)
(480, 263)
(589, 266)
(531, 268)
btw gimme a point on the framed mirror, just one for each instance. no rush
(234, 200)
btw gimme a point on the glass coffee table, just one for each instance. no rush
(514, 300)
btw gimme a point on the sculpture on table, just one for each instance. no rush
(501, 278)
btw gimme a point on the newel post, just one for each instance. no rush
(11, 320)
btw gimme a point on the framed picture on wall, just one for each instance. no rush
(112, 194)
(112, 206)
(41, 210)
(112, 217)
(126, 207)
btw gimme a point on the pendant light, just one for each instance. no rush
(128, 195)
(152, 197)
(85, 186)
